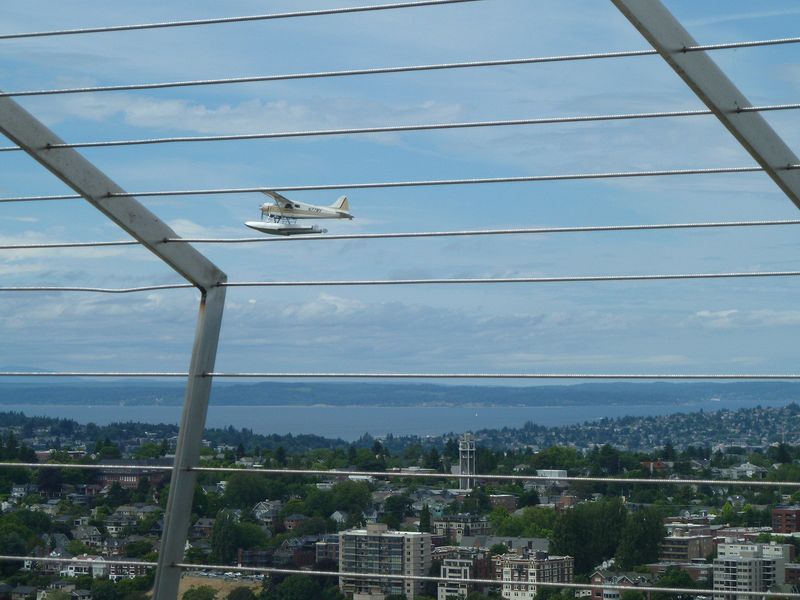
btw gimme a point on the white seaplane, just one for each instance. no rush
(280, 218)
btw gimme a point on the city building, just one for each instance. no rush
(455, 527)
(129, 478)
(605, 584)
(376, 549)
(520, 572)
(786, 519)
(459, 564)
(748, 567)
(684, 545)
(327, 549)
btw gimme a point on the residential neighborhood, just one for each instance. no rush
(95, 533)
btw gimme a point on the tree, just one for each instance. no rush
(674, 577)
(425, 519)
(224, 538)
(103, 589)
(244, 490)
(199, 592)
(75, 547)
(241, 593)
(297, 587)
(138, 548)
(589, 532)
(395, 510)
(641, 538)
(498, 549)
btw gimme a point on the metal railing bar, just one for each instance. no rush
(421, 183)
(70, 245)
(92, 374)
(97, 290)
(93, 561)
(391, 576)
(495, 582)
(228, 20)
(418, 234)
(389, 70)
(412, 474)
(436, 281)
(497, 280)
(478, 232)
(402, 128)
(597, 376)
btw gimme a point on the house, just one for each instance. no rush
(19, 491)
(601, 578)
(89, 535)
(293, 521)
(116, 524)
(455, 527)
(23, 592)
(267, 511)
(118, 570)
(749, 470)
(339, 517)
(202, 528)
(81, 595)
(86, 564)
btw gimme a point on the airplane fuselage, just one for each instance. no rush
(298, 210)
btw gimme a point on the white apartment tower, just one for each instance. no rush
(748, 567)
(466, 461)
(376, 549)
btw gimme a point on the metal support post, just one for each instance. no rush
(713, 87)
(187, 453)
(98, 189)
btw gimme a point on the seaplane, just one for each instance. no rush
(280, 217)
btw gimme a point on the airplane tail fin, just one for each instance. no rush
(341, 204)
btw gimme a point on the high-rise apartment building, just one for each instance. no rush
(376, 549)
(748, 567)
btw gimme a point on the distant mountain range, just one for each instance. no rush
(82, 392)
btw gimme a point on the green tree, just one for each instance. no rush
(395, 510)
(641, 537)
(103, 589)
(498, 549)
(425, 519)
(674, 577)
(244, 490)
(199, 592)
(75, 547)
(589, 532)
(138, 548)
(298, 587)
(224, 538)
(241, 593)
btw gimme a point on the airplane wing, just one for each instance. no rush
(282, 201)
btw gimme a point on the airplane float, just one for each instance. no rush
(280, 218)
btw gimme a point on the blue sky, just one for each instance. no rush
(698, 326)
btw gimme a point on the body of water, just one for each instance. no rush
(351, 422)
